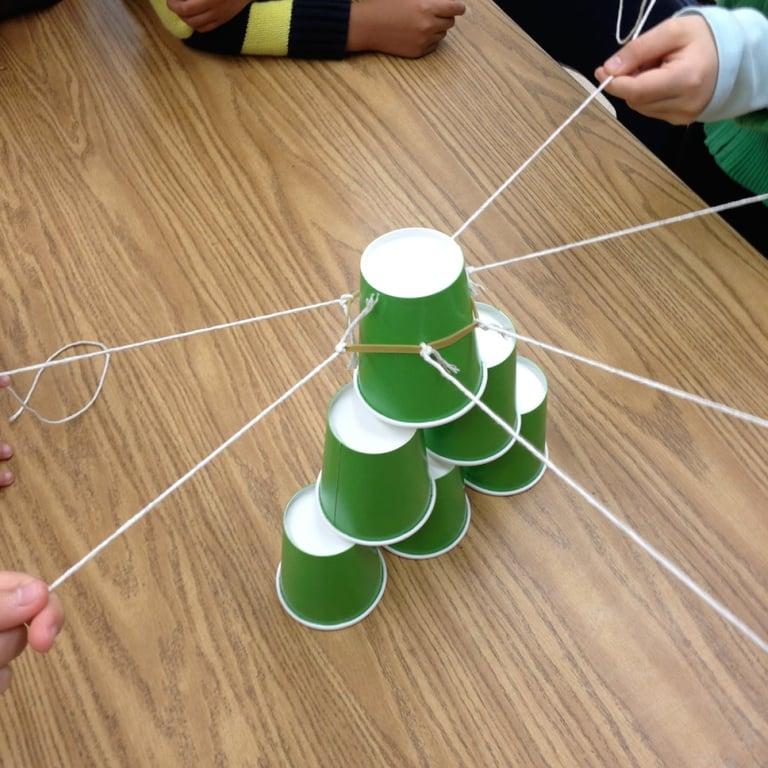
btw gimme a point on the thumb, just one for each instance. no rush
(5, 381)
(450, 8)
(645, 51)
(22, 603)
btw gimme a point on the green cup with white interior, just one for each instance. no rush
(449, 521)
(375, 487)
(324, 581)
(420, 281)
(475, 438)
(518, 469)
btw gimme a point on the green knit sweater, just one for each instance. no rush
(740, 146)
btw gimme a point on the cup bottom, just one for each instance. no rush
(340, 625)
(512, 491)
(454, 543)
(487, 459)
(394, 539)
(423, 424)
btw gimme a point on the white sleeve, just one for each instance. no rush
(741, 37)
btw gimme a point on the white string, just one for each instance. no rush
(342, 301)
(427, 355)
(188, 475)
(24, 402)
(636, 31)
(213, 454)
(525, 165)
(673, 391)
(642, 16)
(624, 232)
(352, 360)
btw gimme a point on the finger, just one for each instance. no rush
(443, 25)
(674, 111)
(647, 87)
(13, 579)
(651, 47)
(187, 8)
(46, 626)
(601, 74)
(22, 603)
(451, 8)
(436, 40)
(6, 478)
(5, 679)
(6, 452)
(431, 47)
(209, 26)
(12, 643)
(5, 381)
(205, 22)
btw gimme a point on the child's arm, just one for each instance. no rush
(28, 615)
(320, 29)
(685, 69)
(298, 28)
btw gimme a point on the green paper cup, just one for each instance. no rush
(518, 470)
(423, 296)
(324, 581)
(449, 521)
(475, 438)
(375, 487)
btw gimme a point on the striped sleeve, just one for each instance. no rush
(310, 29)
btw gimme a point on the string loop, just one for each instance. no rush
(24, 401)
(212, 455)
(646, 7)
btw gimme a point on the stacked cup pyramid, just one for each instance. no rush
(401, 440)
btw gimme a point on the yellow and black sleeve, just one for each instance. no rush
(307, 29)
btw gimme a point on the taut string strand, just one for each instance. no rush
(431, 357)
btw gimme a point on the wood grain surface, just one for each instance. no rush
(148, 189)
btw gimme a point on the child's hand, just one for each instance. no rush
(6, 452)
(206, 15)
(25, 600)
(410, 28)
(669, 72)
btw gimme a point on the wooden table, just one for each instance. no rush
(149, 189)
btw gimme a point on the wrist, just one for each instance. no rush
(725, 34)
(359, 35)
